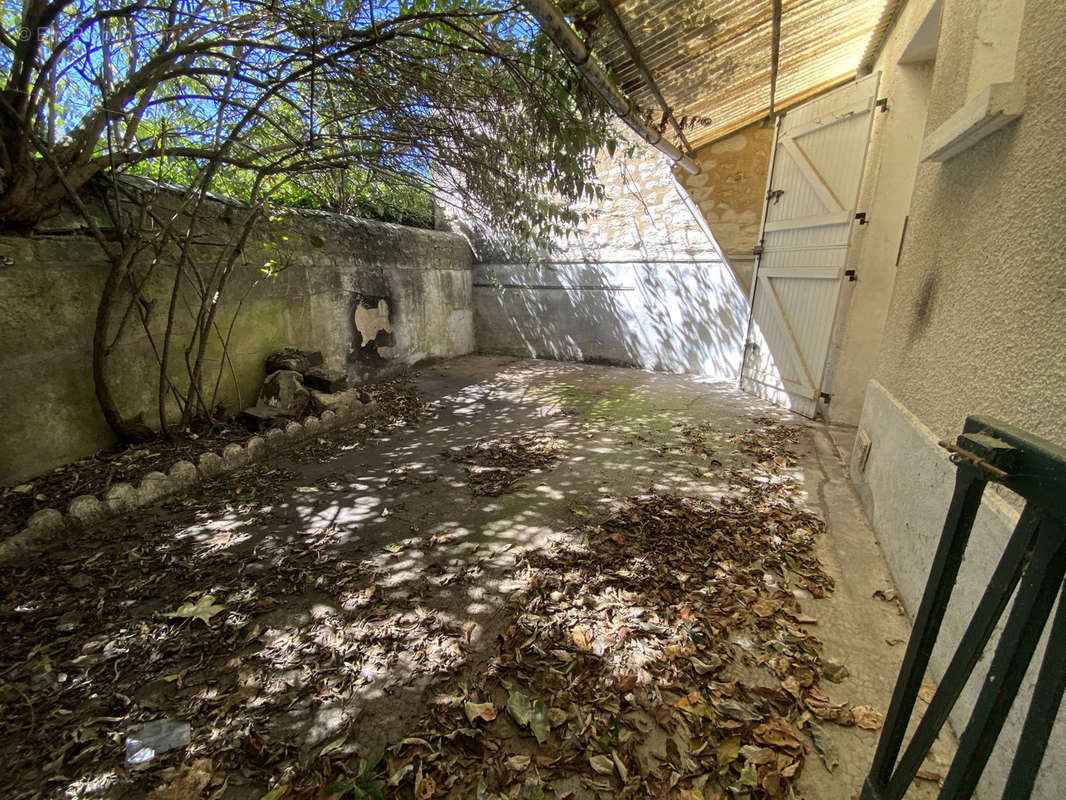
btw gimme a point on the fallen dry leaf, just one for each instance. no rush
(602, 764)
(486, 712)
(189, 785)
(427, 787)
(779, 734)
(203, 609)
(518, 763)
(926, 775)
(581, 637)
(728, 751)
(766, 606)
(868, 717)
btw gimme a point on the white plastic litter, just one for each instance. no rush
(147, 741)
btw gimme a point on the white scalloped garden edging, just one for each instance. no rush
(86, 510)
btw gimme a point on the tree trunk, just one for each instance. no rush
(20, 209)
(20, 201)
(30, 188)
(128, 430)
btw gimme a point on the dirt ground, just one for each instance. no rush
(553, 581)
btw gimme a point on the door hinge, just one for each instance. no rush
(775, 195)
(850, 274)
(861, 217)
(825, 397)
(757, 250)
(882, 104)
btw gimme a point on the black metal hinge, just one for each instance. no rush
(775, 195)
(825, 397)
(861, 217)
(757, 250)
(882, 104)
(850, 274)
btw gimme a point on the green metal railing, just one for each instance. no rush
(1033, 563)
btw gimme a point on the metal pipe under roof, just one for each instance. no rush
(642, 69)
(555, 27)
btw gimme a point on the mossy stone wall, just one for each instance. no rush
(51, 282)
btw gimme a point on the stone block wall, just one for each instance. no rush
(729, 191)
(643, 283)
(373, 297)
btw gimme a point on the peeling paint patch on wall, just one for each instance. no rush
(373, 340)
(373, 327)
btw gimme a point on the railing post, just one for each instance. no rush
(1034, 562)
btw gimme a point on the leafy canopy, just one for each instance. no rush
(330, 103)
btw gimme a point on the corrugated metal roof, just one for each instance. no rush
(711, 58)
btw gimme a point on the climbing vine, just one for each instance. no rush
(326, 103)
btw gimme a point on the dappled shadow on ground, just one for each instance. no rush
(355, 583)
(634, 665)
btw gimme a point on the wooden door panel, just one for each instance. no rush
(808, 219)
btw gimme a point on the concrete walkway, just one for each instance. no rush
(614, 420)
(361, 573)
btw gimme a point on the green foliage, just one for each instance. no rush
(339, 191)
(365, 783)
(272, 268)
(361, 106)
(345, 194)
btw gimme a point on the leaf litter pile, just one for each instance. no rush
(398, 402)
(398, 399)
(661, 653)
(771, 443)
(495, 467)
(692, 440)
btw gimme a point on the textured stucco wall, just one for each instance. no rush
(885, 195)
(729, 191)
(642, 283)
(51, 284)
(977, 320)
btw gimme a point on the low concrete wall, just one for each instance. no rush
(669, 316)
(372, 297)
(906, 487)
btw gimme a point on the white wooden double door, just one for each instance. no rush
(807, 226)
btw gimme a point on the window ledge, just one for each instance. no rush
(995, 106)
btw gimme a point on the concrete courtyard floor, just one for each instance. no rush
(387, 525)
